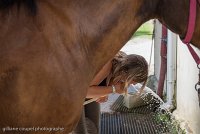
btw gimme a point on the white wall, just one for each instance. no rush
(187, 105)
(187, 100)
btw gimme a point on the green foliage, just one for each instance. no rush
(145, 31)
(173, 126)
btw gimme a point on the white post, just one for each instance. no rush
(171, 68)
(171, 71)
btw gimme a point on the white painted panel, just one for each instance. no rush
(187, 99)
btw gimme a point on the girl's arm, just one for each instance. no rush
(100, 91)
(96, 91)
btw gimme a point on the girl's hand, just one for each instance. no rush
(102, 99)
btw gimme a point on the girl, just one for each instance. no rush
(114, 77)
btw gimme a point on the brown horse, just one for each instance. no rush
(50, 50)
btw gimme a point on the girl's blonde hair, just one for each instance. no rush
(128, 68)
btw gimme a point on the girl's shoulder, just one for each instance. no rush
(102, 74)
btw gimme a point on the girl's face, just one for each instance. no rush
(133, 82)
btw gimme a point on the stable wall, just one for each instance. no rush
(188, 108)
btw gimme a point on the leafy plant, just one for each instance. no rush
(173, 126)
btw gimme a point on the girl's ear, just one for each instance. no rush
(115, 62)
